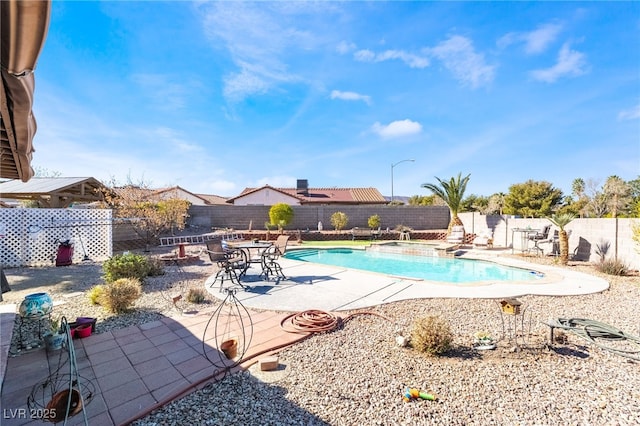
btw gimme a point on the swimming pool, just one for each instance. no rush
(430, 268)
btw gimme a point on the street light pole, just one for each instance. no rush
(392, 166)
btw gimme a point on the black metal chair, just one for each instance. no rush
(270, 256)
(232, 263)
(540, 237)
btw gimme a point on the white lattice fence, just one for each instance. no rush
(30, 235)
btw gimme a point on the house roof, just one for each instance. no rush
(207, 199)
(213, 199)
(54, 192)
(131, 191)
(324, 195)
(23, 31)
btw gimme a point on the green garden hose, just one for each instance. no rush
(596, 331)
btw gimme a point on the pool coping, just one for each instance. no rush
(329, 288)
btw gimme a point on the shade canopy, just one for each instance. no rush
(23, 32)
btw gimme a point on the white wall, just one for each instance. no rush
(265, 197)
(29, 237)
(585, 235)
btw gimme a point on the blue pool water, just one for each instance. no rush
(430, 268)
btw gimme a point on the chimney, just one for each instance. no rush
(302, 187)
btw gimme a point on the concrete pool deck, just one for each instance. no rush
(332, 289)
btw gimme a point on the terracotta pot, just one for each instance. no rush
(229, 348)
(57, 407)
(35, 306)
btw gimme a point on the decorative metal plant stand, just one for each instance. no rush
(228, 333)
(516, 322)
(64, 393)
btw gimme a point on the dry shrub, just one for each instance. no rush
(431, 335)
(121, 294)
(612, 267)
(196, 295)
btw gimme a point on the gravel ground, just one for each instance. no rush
(357, 373)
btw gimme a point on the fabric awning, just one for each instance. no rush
(23, 32)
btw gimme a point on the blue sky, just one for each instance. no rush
(219, 96)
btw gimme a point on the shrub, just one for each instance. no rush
(403, 228)
(431, 335)
(281, 214)
(156, 267)
(196, 295)
(374, 221)
(127, 265)
(339, 220)
(612, 267)
(95, 294)
(121, 294)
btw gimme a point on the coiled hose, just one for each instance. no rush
(315, 321)
(591, 330)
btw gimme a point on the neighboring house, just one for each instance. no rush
(182, 194)
(303, 195)
(174, 192)
(56, 192)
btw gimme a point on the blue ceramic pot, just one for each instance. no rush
(36, 305)
(54, 341)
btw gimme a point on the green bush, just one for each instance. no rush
(121, 294)
(374, 221)
(339, 220)
(156, 267)
(612, 267)
(127, 265)
(281, 214)
(431, 335)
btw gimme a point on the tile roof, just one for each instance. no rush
(325, 195)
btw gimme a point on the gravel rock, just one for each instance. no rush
(357, 373)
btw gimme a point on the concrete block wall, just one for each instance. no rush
(585, 237)
(307, 217)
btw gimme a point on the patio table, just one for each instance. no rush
(524, 238)
(247, 246)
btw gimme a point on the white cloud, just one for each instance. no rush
(397, 129)
(364, 55)
(257, 40)
(413, 61)
(459, 57)
(350, 96)
(535, 41)
(345, 47)
(570, 63)
(245, 83)
(630, 114)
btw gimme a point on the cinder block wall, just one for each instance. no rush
(585, 234)
(307, 217)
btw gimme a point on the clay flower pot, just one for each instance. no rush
(59, 402)
(229, 348)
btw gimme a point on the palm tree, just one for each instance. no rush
(561, 220)
(452, 193)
